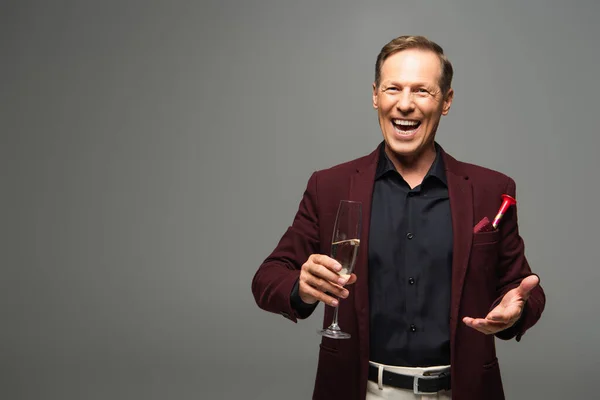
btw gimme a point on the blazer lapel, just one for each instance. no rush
(461, 205)
(361, 189)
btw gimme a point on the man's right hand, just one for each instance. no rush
(319, 280)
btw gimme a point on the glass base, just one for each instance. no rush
(334, 333)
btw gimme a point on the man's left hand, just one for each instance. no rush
(508, 312)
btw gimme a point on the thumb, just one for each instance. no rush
(351, 280)
(527, 285)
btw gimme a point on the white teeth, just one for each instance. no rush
(405, 122)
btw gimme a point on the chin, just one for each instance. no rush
(405, 149)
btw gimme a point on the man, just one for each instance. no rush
(428, 295)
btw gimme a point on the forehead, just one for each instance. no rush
(412, 65)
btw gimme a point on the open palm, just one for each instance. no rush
(508, 312)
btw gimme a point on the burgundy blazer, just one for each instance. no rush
(484, 267)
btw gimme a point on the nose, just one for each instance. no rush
(405, 102)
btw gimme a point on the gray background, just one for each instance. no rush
(153, 153)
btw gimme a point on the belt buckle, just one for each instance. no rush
(425, 376)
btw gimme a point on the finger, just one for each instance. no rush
(471, 323)
(487, 330)
(351, 280)
(497, 317)
(326, 286)
(485, 326)
(328, 262)
(504, 314)
(527, 285)
(492, 327)
(318, 295)
(346, 279)
(499, 314)
(325, 273)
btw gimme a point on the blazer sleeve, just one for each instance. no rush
(275, 278)
(512, 269)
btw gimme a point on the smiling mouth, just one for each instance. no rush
(405, 126)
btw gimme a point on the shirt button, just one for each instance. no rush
(411, 281)
(409, 235)
(413, 328)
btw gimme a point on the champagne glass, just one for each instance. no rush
(344, 248)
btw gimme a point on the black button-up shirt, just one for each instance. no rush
(410, 267)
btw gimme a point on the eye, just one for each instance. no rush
(422, 90)
(392, 89)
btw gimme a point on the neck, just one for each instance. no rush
(413, 168)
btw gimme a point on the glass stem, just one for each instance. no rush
(334, 325)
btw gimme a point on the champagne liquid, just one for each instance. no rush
(345, 252)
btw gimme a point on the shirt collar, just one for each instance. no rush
(385, 165)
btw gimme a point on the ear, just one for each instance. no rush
(375, 97)
(447, 101)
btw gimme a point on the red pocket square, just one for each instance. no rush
(483, 226)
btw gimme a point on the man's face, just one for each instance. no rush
(409, 102)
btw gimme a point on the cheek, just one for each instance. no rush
(385, 104)
(383, 112)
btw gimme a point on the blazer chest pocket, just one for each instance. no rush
(486, 238)
(484, 253)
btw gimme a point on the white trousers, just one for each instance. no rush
(376, 390)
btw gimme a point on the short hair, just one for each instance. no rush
(416, 42)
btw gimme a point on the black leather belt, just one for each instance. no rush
(420, 384)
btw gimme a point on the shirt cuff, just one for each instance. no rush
(303, 309)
